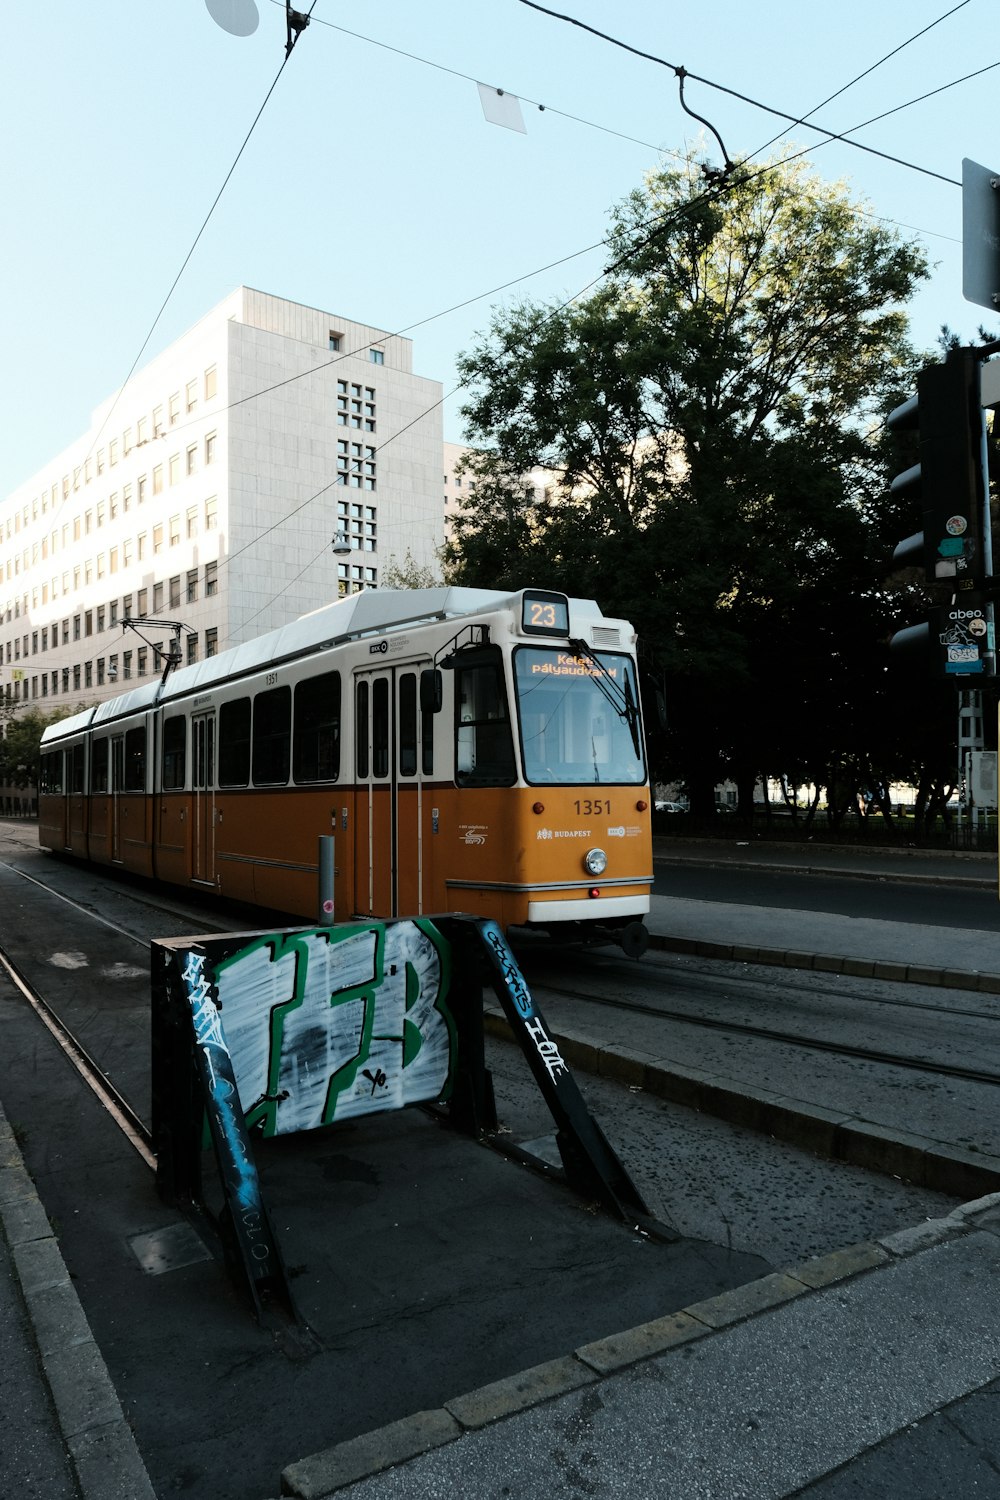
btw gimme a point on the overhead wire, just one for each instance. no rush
(194, 244)
(683, 73)
(563, 260)
(867, 71)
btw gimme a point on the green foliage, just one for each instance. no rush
(19, 747)
(704, 440)
(407, 575)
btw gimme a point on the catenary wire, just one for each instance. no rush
(194, 244)
(842, 136)
(492, 292)
(867, 72)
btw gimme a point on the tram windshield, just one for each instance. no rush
(571, 729)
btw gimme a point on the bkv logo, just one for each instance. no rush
(378, 649)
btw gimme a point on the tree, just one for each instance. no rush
(407, 575)
(705, 423)
(19, 748)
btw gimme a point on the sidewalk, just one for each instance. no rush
(871, 1371)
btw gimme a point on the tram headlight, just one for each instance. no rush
(595, 861)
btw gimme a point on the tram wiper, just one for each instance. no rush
(621, 700)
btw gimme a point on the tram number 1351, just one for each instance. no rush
(591, 807)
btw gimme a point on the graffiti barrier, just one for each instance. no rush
(273, 1033)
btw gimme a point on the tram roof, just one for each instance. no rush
(372, 612)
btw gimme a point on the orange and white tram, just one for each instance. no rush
(469, 751)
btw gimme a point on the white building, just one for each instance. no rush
(209, 491)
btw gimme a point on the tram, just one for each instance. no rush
(469, 751)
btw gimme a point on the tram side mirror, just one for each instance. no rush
(431, 690)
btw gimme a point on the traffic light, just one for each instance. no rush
(953, 548)
(948, 480)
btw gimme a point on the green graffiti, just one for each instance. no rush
(335, 1022)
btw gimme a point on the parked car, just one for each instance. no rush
(670, 807)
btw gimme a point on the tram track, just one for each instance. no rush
(652, 973)
(97, 1080)
(787, 1038)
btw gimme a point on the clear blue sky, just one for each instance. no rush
(374, 187)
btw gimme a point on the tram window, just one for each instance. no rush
(135, 760)
(361, 730)
(380, 727)
(272, 734)
(427, 744)
(52, 771)
(316, 736)
(76, 768)
(234, 743)
(174, 747)
(408, 724)
(484, 751)
(99, 766)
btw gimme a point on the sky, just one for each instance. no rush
(373, 187)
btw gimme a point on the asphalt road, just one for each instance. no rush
(921, 903)
(424, 1264)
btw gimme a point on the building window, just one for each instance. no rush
(192, 521)
(157, 421)
(377, 356)
(210, 382)
(140, 660)
(211, 579)
(192, 649)
(192, 458)
(175, 591)
(175, 530)
(158, 479)
(211, 642)
(192, 586)
(211, 513)
(210, 447)
(157, 598)
(191, 395)
(126, 664)
(335, 341)
(157, 538)
(175, 468)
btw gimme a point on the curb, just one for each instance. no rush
(838, 1136)
(828, 963)
(101, 1447)
(323, 1474)
(831, 872)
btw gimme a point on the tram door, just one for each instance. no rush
(203, 797)
(117, 786)
(388, 854)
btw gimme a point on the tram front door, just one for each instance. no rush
(389, 770)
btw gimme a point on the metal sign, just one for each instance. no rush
(980, 235)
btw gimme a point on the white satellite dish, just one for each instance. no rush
(238, 17)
